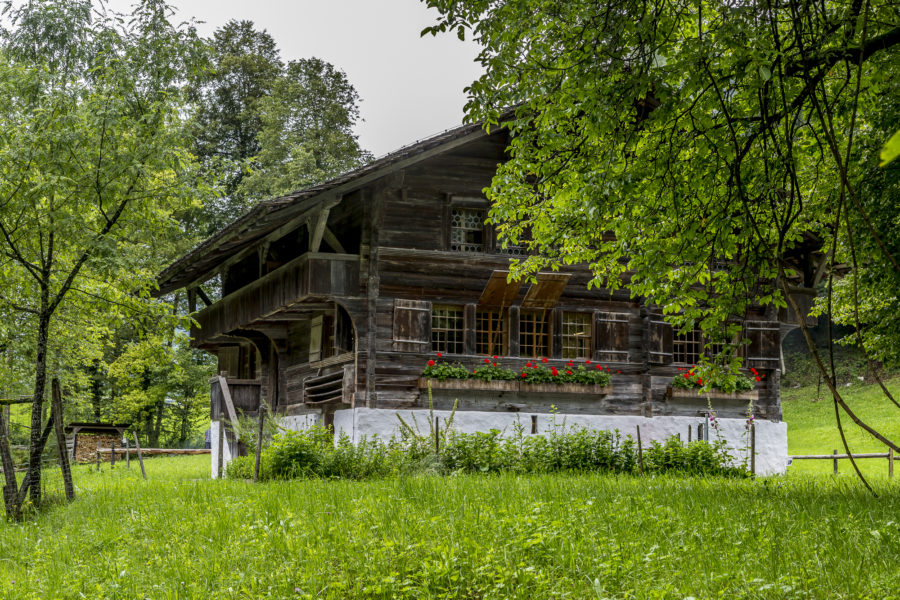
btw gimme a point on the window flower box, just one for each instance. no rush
(515, 386)
(713, 394)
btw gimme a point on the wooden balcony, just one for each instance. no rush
(313, 275)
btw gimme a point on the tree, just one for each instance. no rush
(307, 130)
(243, 66)
(702, 150)
(265, 128)
(94, 169)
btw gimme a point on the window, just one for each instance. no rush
(576, 335)
(447, 329)
(491, 335)
(686, 347)
(534, 333)
(467, 230)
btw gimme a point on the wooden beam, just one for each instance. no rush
(203, 296)
(332, 241)
(327, 201)
(229, 405)
(317, 229)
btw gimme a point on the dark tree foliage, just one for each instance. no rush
(710, 153)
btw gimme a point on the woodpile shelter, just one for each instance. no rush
(328, 302)
(87, 438)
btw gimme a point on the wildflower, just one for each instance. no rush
(554, 371)
(544, 360)
(430, 363)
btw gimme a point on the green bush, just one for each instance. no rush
(313, 454)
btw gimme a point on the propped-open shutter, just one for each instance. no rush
(659, 340)
(412, 325)
(764, 351)
(612, 336)
(315, 339)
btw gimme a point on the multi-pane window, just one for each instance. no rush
(447, 329)
(491, 334)
(467, 230)
(534, 333)
(576, 335)
(687, 346)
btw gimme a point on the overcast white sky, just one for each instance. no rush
(410, 87)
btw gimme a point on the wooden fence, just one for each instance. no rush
(835, 457)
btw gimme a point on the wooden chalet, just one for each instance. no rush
(334, 297)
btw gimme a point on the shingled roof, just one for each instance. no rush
(268, 215)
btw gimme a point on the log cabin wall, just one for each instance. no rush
(418, 268)
(388, 255)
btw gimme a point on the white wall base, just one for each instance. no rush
(228, 452)
(382, 423)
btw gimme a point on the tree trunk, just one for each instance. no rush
(157, 425)
(32, 481)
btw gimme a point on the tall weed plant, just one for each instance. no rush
(314, 453)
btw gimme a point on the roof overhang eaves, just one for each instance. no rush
(180, 274)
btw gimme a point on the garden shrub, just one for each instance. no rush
(313, 453)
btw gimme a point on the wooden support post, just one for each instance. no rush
(9, 469)
(534, 428)
(221, 452)
(753, 449)
(98, 456)
(640, 449)
(437, 437)
(259, 437)
(890, 462)
(137, 446)
(835, 463)
(127, 454)
(112, 456)
(689, 434)
(57, 412)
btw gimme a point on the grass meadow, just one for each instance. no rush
(181, 535)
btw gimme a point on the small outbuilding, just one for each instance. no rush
(84, 439)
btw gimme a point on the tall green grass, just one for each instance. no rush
(181, 535)
(812, 427)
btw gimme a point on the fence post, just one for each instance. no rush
(137, 446)
(890, 462)
(689, 434)
(56, 409)
(127, 454)
(640, 449)
(437, 429)
(112, 456)
(98, 456)
(753, 449)
(835, 463)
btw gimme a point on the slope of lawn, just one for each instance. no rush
(812, 428)
(181, 535)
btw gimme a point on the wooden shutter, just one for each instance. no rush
(412, 325)
(315, 339)
(764, 351)
(611, 337)
(659, 340)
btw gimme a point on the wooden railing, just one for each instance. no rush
(835, 457)
(310, 275)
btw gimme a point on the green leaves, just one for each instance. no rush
(891, 150)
